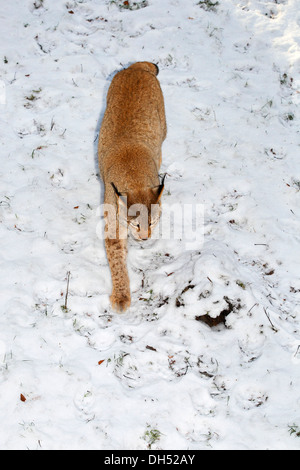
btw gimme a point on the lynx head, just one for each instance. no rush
(139, 209)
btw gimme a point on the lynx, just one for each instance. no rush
(130, 140)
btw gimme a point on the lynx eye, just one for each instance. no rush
(134, 224)
(154, 222)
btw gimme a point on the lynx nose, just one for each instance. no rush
(145, 234)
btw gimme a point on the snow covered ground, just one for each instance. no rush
(77, 376)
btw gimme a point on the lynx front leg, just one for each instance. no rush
(116, 250)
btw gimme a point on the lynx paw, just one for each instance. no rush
(120, 301)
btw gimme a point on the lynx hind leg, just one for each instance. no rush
(116, 253)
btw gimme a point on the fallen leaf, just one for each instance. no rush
(100, 362)
(270, 273)
(22, 398)
(211, 321)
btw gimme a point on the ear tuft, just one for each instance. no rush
(122, 198)
(115, 189)
(163, 180)
(158, 190)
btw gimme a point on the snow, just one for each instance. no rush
(93, 379)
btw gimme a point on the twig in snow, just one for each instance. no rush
(296, 353)
(249, 311)
(67, 292)
(268, 317)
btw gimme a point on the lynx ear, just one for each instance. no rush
(158, 190)
(122, 197)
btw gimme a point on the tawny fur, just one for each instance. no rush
(131, 136)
